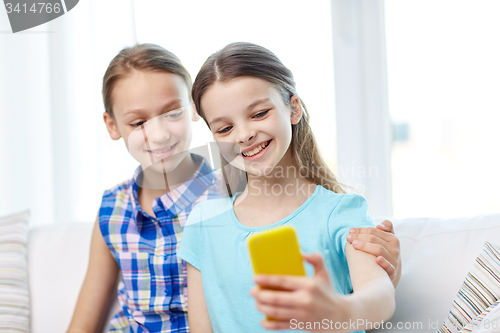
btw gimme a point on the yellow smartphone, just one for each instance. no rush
(276, 252)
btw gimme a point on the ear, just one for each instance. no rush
(112, 127)
(296, 107)
(195, 116)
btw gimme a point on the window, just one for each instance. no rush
(443, 76)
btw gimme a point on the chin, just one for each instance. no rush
(260, 171)
(167, 166)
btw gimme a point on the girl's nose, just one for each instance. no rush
(157, 130)
(243, 141)
(246, 135)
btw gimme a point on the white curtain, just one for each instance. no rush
(56, 156)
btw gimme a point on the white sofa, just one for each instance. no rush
(437, 255)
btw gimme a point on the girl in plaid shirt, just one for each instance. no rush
(146, 93)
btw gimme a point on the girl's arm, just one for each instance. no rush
(94, 300)
(314, 300)
(199, 320)
(373, 292)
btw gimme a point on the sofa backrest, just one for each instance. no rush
(436, 256)
(57, 263)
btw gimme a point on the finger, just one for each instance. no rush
(367, 238)
(283, 282)
(389, 250)
(320, 271)
(386, 225)
(280, 298)
(277, 312)
(387, 266)
(275, 324)
(375, 249)
(386, 236)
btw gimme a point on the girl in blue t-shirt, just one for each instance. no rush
(275, 176)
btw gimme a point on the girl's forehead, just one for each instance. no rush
(239, 92)
(246, 83)
(147, 89)
(154, 81)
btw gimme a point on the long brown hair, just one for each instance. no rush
(246, 59)
(146, 57)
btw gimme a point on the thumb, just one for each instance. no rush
(320, 271)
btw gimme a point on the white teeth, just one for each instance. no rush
(161, 151)
(256, 150)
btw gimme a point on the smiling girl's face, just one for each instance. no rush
(153, 113)
(250, 122)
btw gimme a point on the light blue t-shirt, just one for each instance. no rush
(215, 242)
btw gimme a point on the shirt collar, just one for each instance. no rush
(134, 190)
(183, 196)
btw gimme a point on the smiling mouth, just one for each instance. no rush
(160, 151)
(257, 149)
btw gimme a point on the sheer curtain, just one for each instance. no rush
(56, 156)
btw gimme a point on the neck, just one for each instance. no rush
(161, 183)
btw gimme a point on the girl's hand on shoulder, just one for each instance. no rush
(298, 299)
(382, 243)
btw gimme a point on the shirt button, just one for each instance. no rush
(165, 257)
(166, 292)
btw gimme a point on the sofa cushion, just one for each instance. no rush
(491, 323)
(478, 323)
(480, 289)
(14, 292)
(436, 255)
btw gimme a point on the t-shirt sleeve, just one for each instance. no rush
(350, 212)
(189, 249)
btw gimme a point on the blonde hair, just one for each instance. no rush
(246, 59)
(147, 57)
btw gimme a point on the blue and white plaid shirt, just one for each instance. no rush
(153, 289)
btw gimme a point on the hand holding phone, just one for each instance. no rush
(276, 252)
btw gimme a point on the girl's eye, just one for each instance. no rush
(137, 124)
(173, 114)
(261, 114)
(224, 130)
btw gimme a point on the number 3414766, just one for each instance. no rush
(36, 8)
